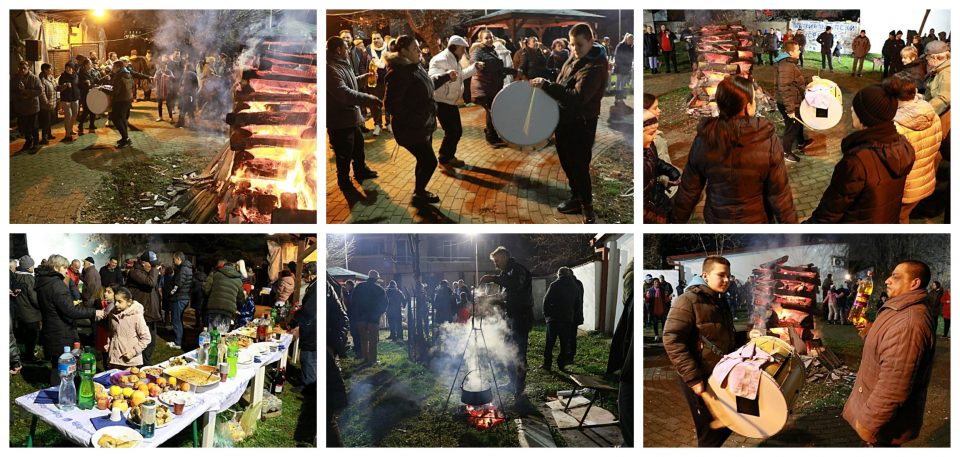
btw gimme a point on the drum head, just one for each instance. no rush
(97, 101)
(524, 115)
(772, 409)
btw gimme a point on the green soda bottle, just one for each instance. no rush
(233, 352)
(213, 356)
(88, 367)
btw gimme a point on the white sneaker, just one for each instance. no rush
(159, 119)
(376, 131)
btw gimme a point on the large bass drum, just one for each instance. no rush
(98, 100)
(780, 382)
(524, 115)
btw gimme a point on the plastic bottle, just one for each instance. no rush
(273, 320)
(76, 352)
(204, 348)
(88, 368)
(233, 351)
(862, 300)
(67, 366)
(212, 356)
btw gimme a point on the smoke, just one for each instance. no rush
(494, 346)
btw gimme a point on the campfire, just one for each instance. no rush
(723, 50)
(783, 302)
(484, 416)
(267, 172)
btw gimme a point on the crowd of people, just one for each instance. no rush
(116, 310)
(191, 86)
(889, 163)
(406, 91)
(898, 348)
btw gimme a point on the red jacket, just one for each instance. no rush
(945, 301)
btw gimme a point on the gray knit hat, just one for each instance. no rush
(26, 262)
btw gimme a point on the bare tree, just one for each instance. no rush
(340, 248)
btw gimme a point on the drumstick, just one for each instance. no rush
(526, 123)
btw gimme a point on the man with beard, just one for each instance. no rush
(518, 304)
(887, 404)
(578, 90)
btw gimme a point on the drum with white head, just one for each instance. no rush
(98, 99)
(822, 105)
(524, 115)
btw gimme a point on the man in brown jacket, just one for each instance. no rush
(790, 86)
(698, 333)
(861, 46)
(887, 403)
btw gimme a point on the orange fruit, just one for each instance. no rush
(134, 370)
(172, 381)
(185, 387)
(162, 382)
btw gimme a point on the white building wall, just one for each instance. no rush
(589, 275)
(742, 264)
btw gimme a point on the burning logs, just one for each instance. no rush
(784, 299)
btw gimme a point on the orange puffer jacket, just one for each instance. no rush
(919, 124)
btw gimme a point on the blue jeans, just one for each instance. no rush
(308, 365)
(178, 307)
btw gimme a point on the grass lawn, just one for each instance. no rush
(275, 432)
(399, 402)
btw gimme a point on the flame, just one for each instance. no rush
(484, 417)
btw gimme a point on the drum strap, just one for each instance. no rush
(712, 347)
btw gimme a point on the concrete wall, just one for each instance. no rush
(742, 264)
(589, 275)
(671, 276)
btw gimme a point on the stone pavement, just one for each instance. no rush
(810, 177)
(497, 186)
(52, 186)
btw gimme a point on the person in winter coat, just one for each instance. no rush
(188, 91)
(110, 274)
(286, 284)
(143, 282)
(578, 90)
(517, 300)
(914, 68)
(447, 96)
(25, 90)
(224, 289)
(89, 76)
(887, 403)
(826, 48)
(936, 294)
(657, 303)
(123, 81)
(92, 285)
(651, 49)
(395, 303)
(790, 86)
(487, 81)
(338, 327)
(371, 302)
(532, 63)
(444, 303)
(699, 331)
(691, 41)
(563, 311)
(409, 101)
(668, 45)
(867, 183)
(861, 46)
(182, 284)
(945, 312)
(889, 53)
(801, 40)
(129, 334)
(163, 79)
(558, 56)
(344, 120)
(59, 327)
(771, 45)
(376, 55)
(27, 309)
(833, 303)
(938, 83)
(919, 124)
(652, 104)
(623, 65)
(896, 65)
(49, 99)
(658, 175)
(739, 159)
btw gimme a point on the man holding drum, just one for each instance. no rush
(121, 100)
(578, 90)
(888, 400)
(698, 333)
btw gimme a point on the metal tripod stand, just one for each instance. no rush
(476, 332)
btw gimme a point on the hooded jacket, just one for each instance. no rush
(224, 288)
(867, 184)
(27, 310)
(580, 86)
(143, 285)
(887, 402)
(488, 82)
(563, 302)
(920, 125)
(938, 89)
(451, 91)
(128, 332)
(370, 301)
(343, 97)
(59, 313)
(656, 204)
(747, 186)
(183, 280)
(790, 84)
(518, 293)
(698, 314)
(409, 100)
(861, 46)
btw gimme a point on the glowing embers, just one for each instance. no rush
(484, 416)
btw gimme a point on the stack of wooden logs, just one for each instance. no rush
(783, 299)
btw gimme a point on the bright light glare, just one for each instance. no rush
(99, 13)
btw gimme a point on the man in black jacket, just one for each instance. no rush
(518, 304)
(338, 327)
(344, 121)
(488, 81)
(826, 48)
(533, 64)
(111, 274)
(578, 90)
(180, 295)
(563, 311)
(304, 328)
(395, 300)
(371, 301)
(27, 310)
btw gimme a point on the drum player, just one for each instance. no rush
(578, 91)
(699, 331)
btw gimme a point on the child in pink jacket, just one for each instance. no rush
(129, 334)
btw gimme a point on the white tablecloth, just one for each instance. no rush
(76, 425)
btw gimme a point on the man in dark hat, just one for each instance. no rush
(143, 281)
(896, 64)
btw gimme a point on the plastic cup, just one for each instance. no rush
(224, 371)
(178, 407)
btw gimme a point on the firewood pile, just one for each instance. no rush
(266, 173)
(783, 299)
(722, 50)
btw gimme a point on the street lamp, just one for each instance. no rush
(99, 14)
(476, 259)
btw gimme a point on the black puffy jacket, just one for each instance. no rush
(409, 100)
(656, 203)
(370, 301)
(747, 186)
(488, 81)
(183, 280)
(306, 319)
(533, 64)
(580, 86)
(563, 302)
(867, 183)
(59, 313)
(338, 324)
(518, 293)
(224, 289)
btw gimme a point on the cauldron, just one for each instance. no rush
(474, 397)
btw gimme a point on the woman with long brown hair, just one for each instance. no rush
(738, 157)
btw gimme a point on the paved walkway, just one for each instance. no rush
(810, 177)
(498, 185)
(52, 186)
